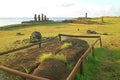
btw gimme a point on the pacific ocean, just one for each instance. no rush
(9, 21)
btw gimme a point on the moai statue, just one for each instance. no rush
(42, 17)
(35, 17)
(86, 15)
(38, 17)
(45, 18)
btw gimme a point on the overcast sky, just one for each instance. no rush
(59, 8)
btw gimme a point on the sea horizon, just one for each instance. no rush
(17, 20)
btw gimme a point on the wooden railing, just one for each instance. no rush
(22, 74)
(24, 47)
(79, 64)
(19, 73)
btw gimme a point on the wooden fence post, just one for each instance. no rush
(81, 69)
(59, 37)
(93, 51)
(100, 42)
(39, 45)
(102, 19)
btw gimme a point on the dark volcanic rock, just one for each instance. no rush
(35, 36)
(91, 32)
(53, 69)
(77, 49)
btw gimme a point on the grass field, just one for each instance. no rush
(105, 66)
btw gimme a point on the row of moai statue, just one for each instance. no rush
(40, 18)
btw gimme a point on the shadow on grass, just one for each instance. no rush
(105, 23)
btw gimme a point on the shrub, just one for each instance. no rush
(105, 33)
(88, 31)
(18, 33)
(45, 56)
(61, 57)
(91, 32)
(66, 45)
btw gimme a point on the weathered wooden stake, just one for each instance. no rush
(102, 19)
(100, 42)
(93, 52)
(39, 45)
(81, 69)
(59, 37)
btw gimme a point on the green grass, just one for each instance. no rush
(27, 70)
(46, 56)
(66, 45)
(90, 64)
(105, 66)
(110, 65)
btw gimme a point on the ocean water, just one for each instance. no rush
(8, 21)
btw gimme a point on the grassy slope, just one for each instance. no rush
(106, 66)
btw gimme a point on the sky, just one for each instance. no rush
(59, 8)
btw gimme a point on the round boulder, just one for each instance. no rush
(35, 36)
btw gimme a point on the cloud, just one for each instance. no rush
(68, 8)
(110, 9)
(68, 5)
